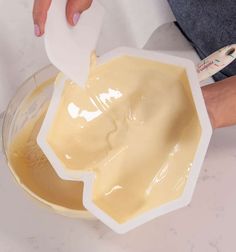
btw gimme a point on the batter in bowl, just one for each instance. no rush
(34, 172)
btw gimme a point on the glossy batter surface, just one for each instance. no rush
(136, 127)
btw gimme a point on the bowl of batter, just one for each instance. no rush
(28, 164)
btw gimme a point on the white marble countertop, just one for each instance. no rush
(25, 226)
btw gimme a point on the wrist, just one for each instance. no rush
(220, 99)
(210, 97)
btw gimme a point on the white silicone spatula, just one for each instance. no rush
(69, 48)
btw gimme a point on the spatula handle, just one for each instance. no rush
(216, 62)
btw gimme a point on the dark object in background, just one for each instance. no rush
(209, 25)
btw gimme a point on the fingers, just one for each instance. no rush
(74, 8)
(40, 15)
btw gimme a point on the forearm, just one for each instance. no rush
(220, 99)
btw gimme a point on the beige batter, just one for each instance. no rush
(136, 127)
(35, 173)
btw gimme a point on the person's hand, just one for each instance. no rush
(73, 10)
(220, 99)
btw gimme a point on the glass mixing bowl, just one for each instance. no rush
(38, 177)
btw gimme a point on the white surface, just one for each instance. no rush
(130, 23)
(21, 54)
(207, 225)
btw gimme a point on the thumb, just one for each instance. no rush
(74, 8)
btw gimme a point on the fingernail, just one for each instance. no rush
(76, 18)
(37, 30)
